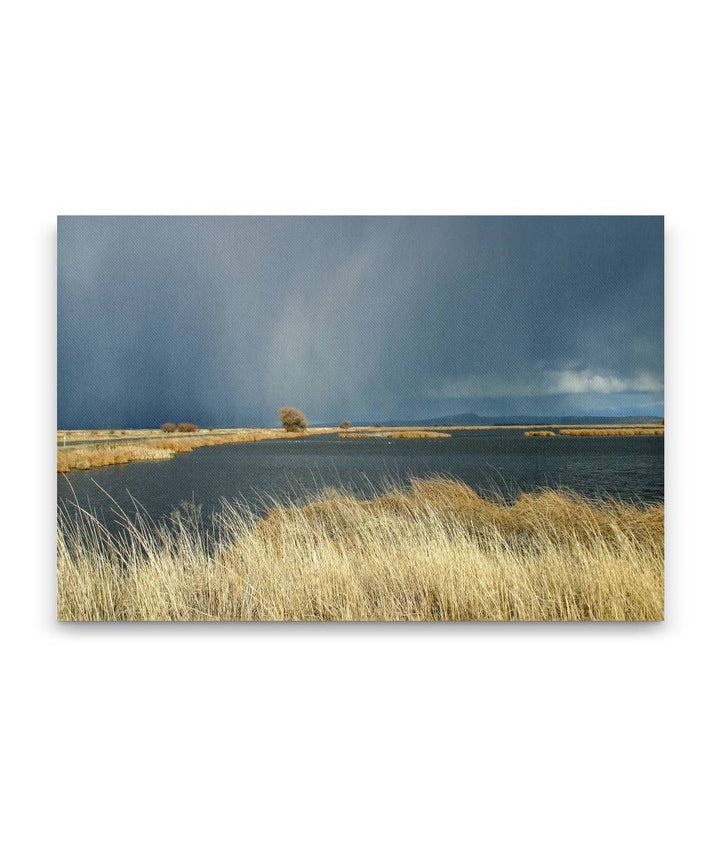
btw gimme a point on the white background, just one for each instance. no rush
(358, 739)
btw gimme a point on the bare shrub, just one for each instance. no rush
(345, 424)
(293, 420)
(187, 428)
(168, 427)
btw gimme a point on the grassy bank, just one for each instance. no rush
(433, 551)
(539, 433)
(390, 434)
(612, 432)
(159, 447)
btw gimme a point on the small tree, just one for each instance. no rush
(168, 427)
(187, 427)
(345, 424)
(293, 420)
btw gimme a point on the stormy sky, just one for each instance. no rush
(222, 320)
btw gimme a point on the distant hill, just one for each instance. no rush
(474, 419)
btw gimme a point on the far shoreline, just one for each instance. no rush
(89, 448)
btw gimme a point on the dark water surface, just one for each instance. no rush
(630, 468)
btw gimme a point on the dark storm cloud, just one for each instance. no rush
(222, 320)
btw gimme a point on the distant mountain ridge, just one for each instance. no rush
(474, 419)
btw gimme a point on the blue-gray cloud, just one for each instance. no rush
(221, 320)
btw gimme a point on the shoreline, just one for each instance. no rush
(87, 449)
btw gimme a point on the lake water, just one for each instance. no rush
(629, 468)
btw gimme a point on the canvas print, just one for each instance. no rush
(359, 418)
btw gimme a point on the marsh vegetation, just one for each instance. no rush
(394, 434)
(432, 551)
(85, 456)
(613, 432)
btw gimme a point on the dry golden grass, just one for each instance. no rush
(611, 432)
(435, 551)
(417, 435)
(160, 446)
(84, 457)
(391, 434)
(539, 433)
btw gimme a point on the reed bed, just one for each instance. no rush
(390, 434)
(83, 457)
(432, 551)
(540, 434)
(612, 432)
